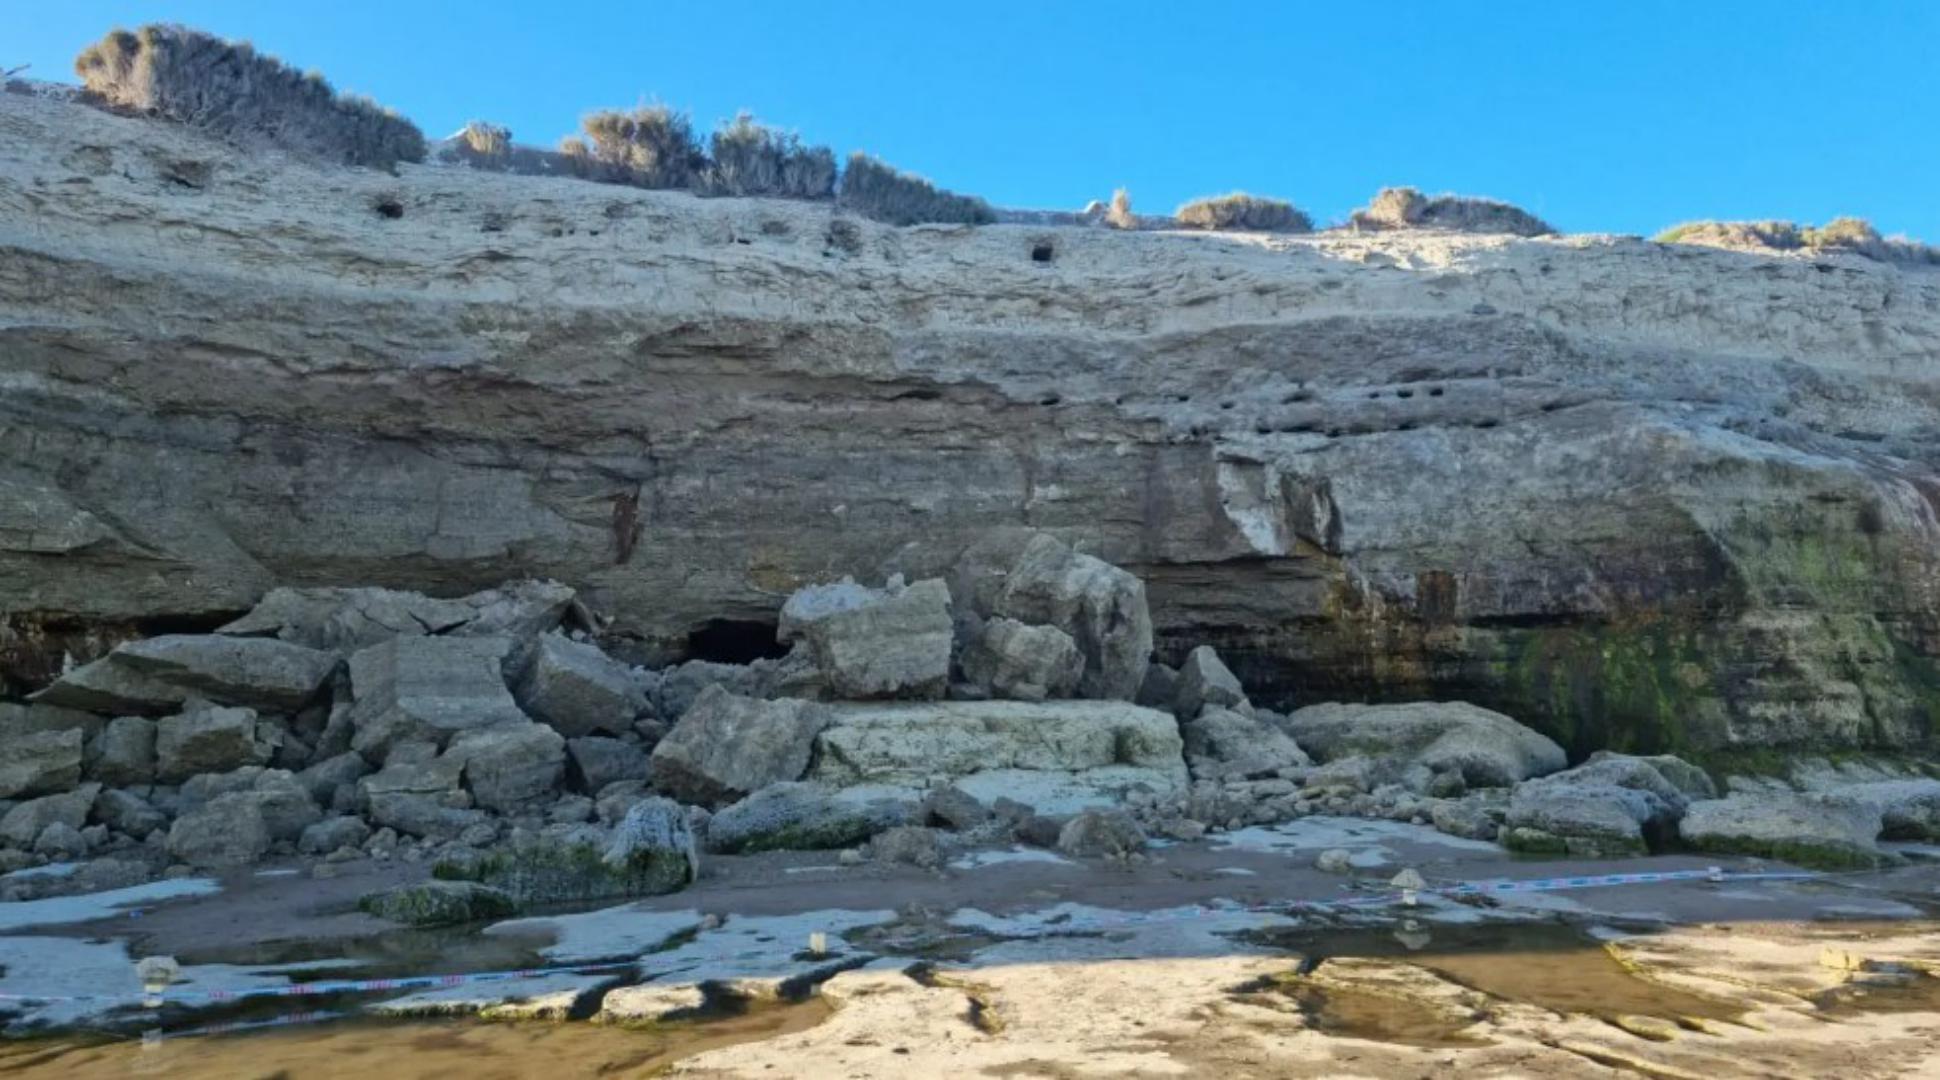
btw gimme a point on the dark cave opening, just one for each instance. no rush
(734, 641)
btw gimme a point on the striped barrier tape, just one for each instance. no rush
(1471, 888)
(339, 986)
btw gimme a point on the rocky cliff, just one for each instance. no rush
(1640, 496)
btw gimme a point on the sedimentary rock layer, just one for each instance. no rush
(1639, 496)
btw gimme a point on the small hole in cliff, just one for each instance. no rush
(1486, 423)
(1404, 394)
(1297, 395)
(388, 206)
(1434, 391)
(734, 641)
(1041, 253)
(1050, 399)
(1372, 394)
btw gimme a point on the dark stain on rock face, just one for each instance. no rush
(1436, 597)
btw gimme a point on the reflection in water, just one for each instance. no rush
(408, 1050)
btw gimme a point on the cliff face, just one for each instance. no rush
(1638, 496)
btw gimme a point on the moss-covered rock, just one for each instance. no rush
(650, 852)
(439, 903)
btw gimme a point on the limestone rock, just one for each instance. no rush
(1205, 680)
(911, 844)
(1613, 804)
(60, 841)
(210, 739)
(428, 689)
(1008, 659)
(1101, 834)
(508, 766)
(594, 762)
(908, 743)
(650, 852)
(20, 826)
(807, 816)
(230, 830)
(875, 643)
(439, 903)
(157, 674)
(1221, 744)
(40, 763)
(345, 620)
(330, 834)
(326, 777)
(1100, 606)
(578, 689)
(418, 794)
(726, 746)
(124, 752)
(1811, 830)
(1487, 748)
(281, 801)
(127, 812)
(1909, 808)
(26, 719)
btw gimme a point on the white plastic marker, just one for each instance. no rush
(1410, 882)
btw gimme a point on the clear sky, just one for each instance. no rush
(1619, 116)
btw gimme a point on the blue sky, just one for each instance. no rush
(1615, 116)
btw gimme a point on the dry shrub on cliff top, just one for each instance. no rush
(649, 146)
(1848, 235)
(487, 140)
(750, 159)
(1243, 212)
(1120, 215)
(1407, 208)
(232, 90)
(879, 191)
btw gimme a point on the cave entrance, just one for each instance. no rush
(734, 641)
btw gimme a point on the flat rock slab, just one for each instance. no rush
(911, 743)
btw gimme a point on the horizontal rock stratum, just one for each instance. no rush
(1639, 496)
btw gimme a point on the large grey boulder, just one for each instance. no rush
(1221, 744)
(596, 761)
(127, 812)
(578, 689)
(1101, 834)
(426, 689)
(211, 739)
(40, 763)
(282, 801)
(907, 743)
(805, 816)
(1613, 804)
(1205, 680)
(726, 746)
(229, 830)
(418, 792)
(21, 825)
(330, 834)
(1412, 742)
(1806, 829)
(509, 766)
(124, 752)
(791, 676)
(18, 719)
(1040, 580)
(1909, 808)
(161, 673)
(1008, 659)
(343, 620)
(875, 643)
(325, 778)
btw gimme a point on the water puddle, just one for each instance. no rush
(1553, 967)
(390, 954)
(409, 1050)
(1363, 1014)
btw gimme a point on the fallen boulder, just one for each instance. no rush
(21, 825)
(439, 903)
(126, 812)
(229, 830)
(808, 816)
(1101, 834)
(509, 766)
(875, 643)
(1009, 659)
(1038, 579)
(428, 689)
(909, 743)
(40, 763)
(651, 851)
(1205, 680)
(595, 761)
(1611, 805)
(1221, 744)
(578, 689)
(1411, 743)
(1811, 830)
(726, 746)
(282, 801)
(124, 752)
(161, 673)
(208, 738)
